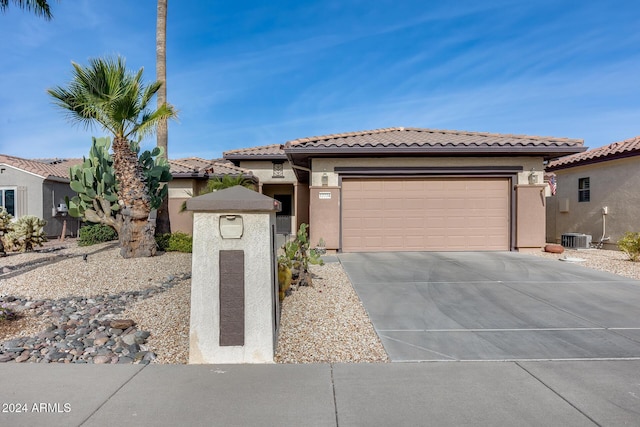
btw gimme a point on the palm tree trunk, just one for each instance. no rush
(164, 222)
(137, 233)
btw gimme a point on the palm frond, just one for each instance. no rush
(105, 93)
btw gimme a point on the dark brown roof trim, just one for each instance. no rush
(255, 157)
(433, 171)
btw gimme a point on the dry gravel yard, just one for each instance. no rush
(615, 262)
(323, 323)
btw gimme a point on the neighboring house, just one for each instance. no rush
(38, 187)
(190, 176)
(276, 179)
(407, 189)
(587, 183)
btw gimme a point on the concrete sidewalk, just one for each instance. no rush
(567, 393)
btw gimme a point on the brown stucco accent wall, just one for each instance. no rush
(530, 216)
(180, 221)
(301, 204)
(324, 217)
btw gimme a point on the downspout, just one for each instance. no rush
(605, 211)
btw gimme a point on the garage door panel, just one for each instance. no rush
(425, 214)
(414, 223)
(415, 204)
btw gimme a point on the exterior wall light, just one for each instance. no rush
(325, 179)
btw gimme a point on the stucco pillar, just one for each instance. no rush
(530, 216)
(234, 289)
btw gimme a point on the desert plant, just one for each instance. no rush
(162, 240)
(5, 227)
(284, 278)
(175, 242)
(630, 245)
(321, 247)
(156, 171)
(105, 93)
(96, 233)
(94, 181)
(28, 232)
(298, 256)
(6, 313)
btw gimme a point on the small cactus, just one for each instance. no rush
(28, 232)
(5, 227)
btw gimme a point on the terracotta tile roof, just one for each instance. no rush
(400, 137)
(52, 169)
(264, 151)
(627, 148)
(195, 166)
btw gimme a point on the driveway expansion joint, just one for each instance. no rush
(558, 394)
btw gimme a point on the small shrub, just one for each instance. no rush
(630, 245)
(6, 313)
(162, 240)
(96, 233)
(175, 242)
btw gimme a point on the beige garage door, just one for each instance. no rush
(467, 214)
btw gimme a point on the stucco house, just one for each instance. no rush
(411, 189)
(276, 179)
(38, 187)
(597, 193)
(190, 176)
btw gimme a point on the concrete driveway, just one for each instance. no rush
(495, 306)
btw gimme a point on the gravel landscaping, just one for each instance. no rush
(615, 262)
(67, 302)
(70, 300)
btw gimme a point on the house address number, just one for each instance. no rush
(324, 195)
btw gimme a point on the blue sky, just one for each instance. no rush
(251, 73)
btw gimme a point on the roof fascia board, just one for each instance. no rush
(250, 157)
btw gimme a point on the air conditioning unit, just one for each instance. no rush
(576, 240)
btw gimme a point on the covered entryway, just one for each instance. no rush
(432, 214)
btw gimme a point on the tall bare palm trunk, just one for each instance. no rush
(137, 233)
(164, 220)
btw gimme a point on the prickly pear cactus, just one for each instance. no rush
(156, 172)
(27, 233)
(94, 181)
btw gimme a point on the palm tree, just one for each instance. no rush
(39, 7)
(164, 222)
(228, 181)
(106, 94)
